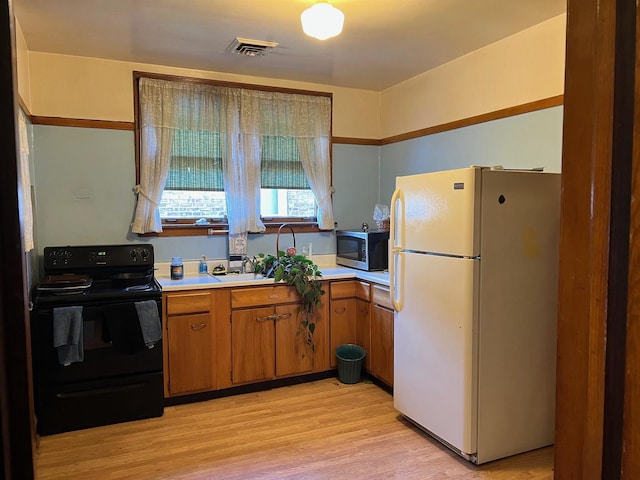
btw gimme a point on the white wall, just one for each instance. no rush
(97, 89)
(519, 69)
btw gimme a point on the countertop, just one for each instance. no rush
(195, 281)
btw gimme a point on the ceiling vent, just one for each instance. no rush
(250, 48)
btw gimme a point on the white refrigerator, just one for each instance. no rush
(473, 273)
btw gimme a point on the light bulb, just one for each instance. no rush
(322, 21)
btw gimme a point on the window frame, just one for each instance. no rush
(187, 227)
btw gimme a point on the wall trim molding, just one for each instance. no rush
(80, 122)
(477, 119)
(444, 127)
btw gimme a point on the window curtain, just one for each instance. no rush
(243, 118)
(313, 151)
(158, 115)
(241, 163)
(25, 183)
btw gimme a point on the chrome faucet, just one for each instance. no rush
(250, 261)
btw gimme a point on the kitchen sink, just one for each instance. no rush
(237, 277)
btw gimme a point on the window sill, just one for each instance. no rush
(191, 230)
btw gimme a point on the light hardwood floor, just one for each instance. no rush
(319, 430)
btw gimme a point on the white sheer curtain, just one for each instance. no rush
(157, 119)
(25, 183)
(242, 116)
(241, 165)
(314, 155)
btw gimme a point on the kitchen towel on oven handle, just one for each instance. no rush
(149, 322)
(68, 335)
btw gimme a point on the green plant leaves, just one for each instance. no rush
(302, 274)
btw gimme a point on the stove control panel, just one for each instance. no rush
(101, 256)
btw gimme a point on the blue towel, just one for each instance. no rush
(149, 322)
(67, 334)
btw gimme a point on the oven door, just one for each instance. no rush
(101, 359)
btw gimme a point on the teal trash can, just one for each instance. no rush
(350, 359)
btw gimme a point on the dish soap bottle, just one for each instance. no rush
(202, 268)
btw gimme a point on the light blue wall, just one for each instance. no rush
(84, 180)
(523, 141)
(356, 184)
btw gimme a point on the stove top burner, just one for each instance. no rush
(139, 288)
(89, 274)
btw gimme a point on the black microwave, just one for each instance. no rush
(363, 250)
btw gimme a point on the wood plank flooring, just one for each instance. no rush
(312, 431)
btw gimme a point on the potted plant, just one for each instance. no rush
(299, 272)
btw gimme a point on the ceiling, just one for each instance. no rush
(383, 43)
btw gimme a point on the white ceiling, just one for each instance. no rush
(384, 42)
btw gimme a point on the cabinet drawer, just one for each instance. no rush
(345, 289)
(253, 297)
(382, 296)
(188, 303)
(363, 290)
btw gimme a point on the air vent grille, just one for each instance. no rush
(250, 48)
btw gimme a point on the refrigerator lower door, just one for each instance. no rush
(435, 344)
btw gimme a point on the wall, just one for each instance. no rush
(523, 141)
(84, 177)
(90, 88)
(84, 180)
(22, 66)
(519, 69)
(356, 183)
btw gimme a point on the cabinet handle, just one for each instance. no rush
(264, 319)
(282, 315)
(273, 296)
(340, 310)
(364, 311)
(199, 326)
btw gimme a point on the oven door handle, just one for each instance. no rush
(101, 391)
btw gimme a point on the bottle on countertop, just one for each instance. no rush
(202, 268)
(177, 268)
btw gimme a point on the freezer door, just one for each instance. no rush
(437, 212)
(435, 377)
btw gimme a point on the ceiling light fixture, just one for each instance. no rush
(322, 21)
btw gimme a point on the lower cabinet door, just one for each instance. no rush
(382, 344)
(252, 345)
(191, 355)
(363, 329)
(343, 325)
(293, 355)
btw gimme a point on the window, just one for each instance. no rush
(230, 155)
(195, 188)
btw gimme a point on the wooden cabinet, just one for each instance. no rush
(252, 345)
(349, 307)
(381, 351)
(265, 343)
(197, 341)
(189, 352)
(363, 329)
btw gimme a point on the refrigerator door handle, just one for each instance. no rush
(397, 200)
(396, 288)
(397, 213)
